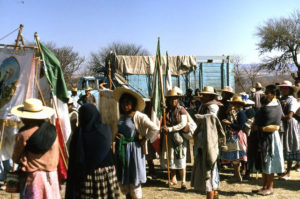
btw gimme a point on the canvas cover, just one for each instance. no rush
(142, 65)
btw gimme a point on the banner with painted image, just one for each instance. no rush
(17, 70)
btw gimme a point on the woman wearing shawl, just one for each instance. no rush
(91, 172)
(267, 123)
(236, 138)
(291, 136)
(36, 151)
(134, 128)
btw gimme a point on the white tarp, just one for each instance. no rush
(142, 65)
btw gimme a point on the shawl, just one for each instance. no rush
(90, 148)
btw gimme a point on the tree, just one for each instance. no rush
(97, 60)
(281, 35)
(69, 59)
(239, 80)
(252, 73)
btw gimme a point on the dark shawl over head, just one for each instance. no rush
(90, 148)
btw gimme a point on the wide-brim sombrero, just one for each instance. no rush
(32, 109)
(118, 92)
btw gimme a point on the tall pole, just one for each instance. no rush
(19, 36)
(60, 149)
(109, 74)
(164, 116)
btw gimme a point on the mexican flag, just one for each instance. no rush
(156, 111)
(168, 74)
(56, 79)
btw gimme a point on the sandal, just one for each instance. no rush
(265, 193)
(183, 186)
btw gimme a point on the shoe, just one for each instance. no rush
(183, 186)
(265, 192)
(256, 190)
(285, 177)
(172, 183)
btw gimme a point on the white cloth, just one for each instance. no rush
(145, 126)
(74, 99)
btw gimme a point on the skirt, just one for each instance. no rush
(42, 185)
(101, 183)
(237, 148)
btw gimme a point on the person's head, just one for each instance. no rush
(32, 112)
(271, 92)
(74, 91)
(172, 98)
(208, 97)
(226, 95)
(258, 86)
(189, 92)
(197, 92)
(88, 91)
(208, 93)
(127, 103)
(237, 102)
(264, 100)
(89, 117)
(286, 88)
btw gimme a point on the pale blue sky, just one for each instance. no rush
(203, 27)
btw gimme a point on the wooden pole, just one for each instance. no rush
(2, 132)
(109, 75)
(164, 117)
(19, 36)
(60, 150)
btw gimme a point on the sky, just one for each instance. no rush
(185, 27)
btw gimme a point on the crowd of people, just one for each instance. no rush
(253, 132)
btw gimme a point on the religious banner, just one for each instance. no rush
(17, 70)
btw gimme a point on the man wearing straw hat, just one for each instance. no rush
(177, 123)
(87, 98)
(74, 98)
(210, 134)
(37, 151)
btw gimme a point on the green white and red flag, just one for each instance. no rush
(156, 99)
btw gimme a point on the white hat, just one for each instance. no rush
(32, 109)
(287, 83)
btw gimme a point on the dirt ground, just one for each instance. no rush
(157, 188)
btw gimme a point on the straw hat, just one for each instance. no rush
(227, 89)
(32, 109)
(237, 99)
(118, 92)
(174, 93)
(74, 90)
(208, 90)
(287, 83)
(253, 90)
(258, 85)
(88, 88)
(179, 90)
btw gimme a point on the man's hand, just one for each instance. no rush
(226, 122)
(165, 130)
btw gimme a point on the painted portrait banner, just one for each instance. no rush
(16, 79)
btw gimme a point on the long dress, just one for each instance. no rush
(236, 140)
(134, 170)
(269, 144)
(291, 137)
